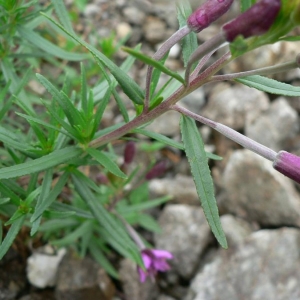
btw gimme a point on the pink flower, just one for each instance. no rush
(288, 164)
(154, 261)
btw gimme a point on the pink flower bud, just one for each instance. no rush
(207, 13)
(288, 164)
(158, 170)
(129, 152)
(255, 21)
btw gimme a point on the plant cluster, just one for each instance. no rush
(44, 157)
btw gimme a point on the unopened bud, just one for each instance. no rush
(102, 179)
(129, 152)
(158, 170)
(288, 164)
(255, 21)
(207, 13)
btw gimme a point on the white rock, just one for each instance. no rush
(42, 268)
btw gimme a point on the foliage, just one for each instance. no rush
(46, 152)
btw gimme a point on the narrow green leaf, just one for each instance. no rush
(195, 153)
(40, 122)
(47, 46)
(49, 197)
(149, 223)
(11, 235)
(167, 141)
(102, 260)
(270, 85)
(106, 162)
(121, 106)
(143, 206)
(70, 111)
(155, 77)
(83, 89)
(40, 164)
(62, 207)
(291, 38)
(189, 42)
(4, 201)
(154, 63)
(80, 231)
(129, 86)
(114, 229)
(62, 14)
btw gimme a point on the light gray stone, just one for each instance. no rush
(195, 101)
(154, 30)
(133, 288)
(82, 278)
(133, 15)
(181, 188)
(231, 106)
(264, 267)
(279, 123)
(257, 192)
(186, 234)
(235, 229)
(167, 124)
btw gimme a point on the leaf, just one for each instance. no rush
(40, 164)
(189, 42)
(10, 236)
(114, 230)
(47, 46)
(270, 85)
(102, 260)
(80, 231)
(167, 141)
(62, 14)
(291, 38)
(47, 197)
(194, 149)
(129, 86)
(245, 4)
(154, 63)
(106, 162)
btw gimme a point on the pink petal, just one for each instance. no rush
(142, 274)
(147, 260)
(161, 265)
(162, 254)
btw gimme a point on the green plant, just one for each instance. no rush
(52, 149)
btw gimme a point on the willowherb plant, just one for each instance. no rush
(50, 155)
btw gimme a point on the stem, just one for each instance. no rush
(201, 51)
(134, 235)
(231, 134)
(262, 71)
(146, 117)
(165, 47)
(200, 65)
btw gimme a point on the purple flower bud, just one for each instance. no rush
(154, 260)
(207, 13)
(158, 170)
(102, 179)
(288, 164)
(255, 21)
(129, 152)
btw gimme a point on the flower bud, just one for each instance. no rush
(158, 170)
(207, 13)
(288, 164)
(255, 21)
(129, 152)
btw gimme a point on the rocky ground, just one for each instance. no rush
(260, 208)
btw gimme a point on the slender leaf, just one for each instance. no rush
(47, 46)
(80, 231)
(270, 85)
(189, 42)
(106, 162)
(194, 149)
(167, 141)
(102, 260)
(245, 4)
(49, 197)
(40, 164)
(62, 14)
(11, 235)
(129, 86)
(154, 63)
(114, 230)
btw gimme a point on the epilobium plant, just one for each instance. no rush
(50, 154)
